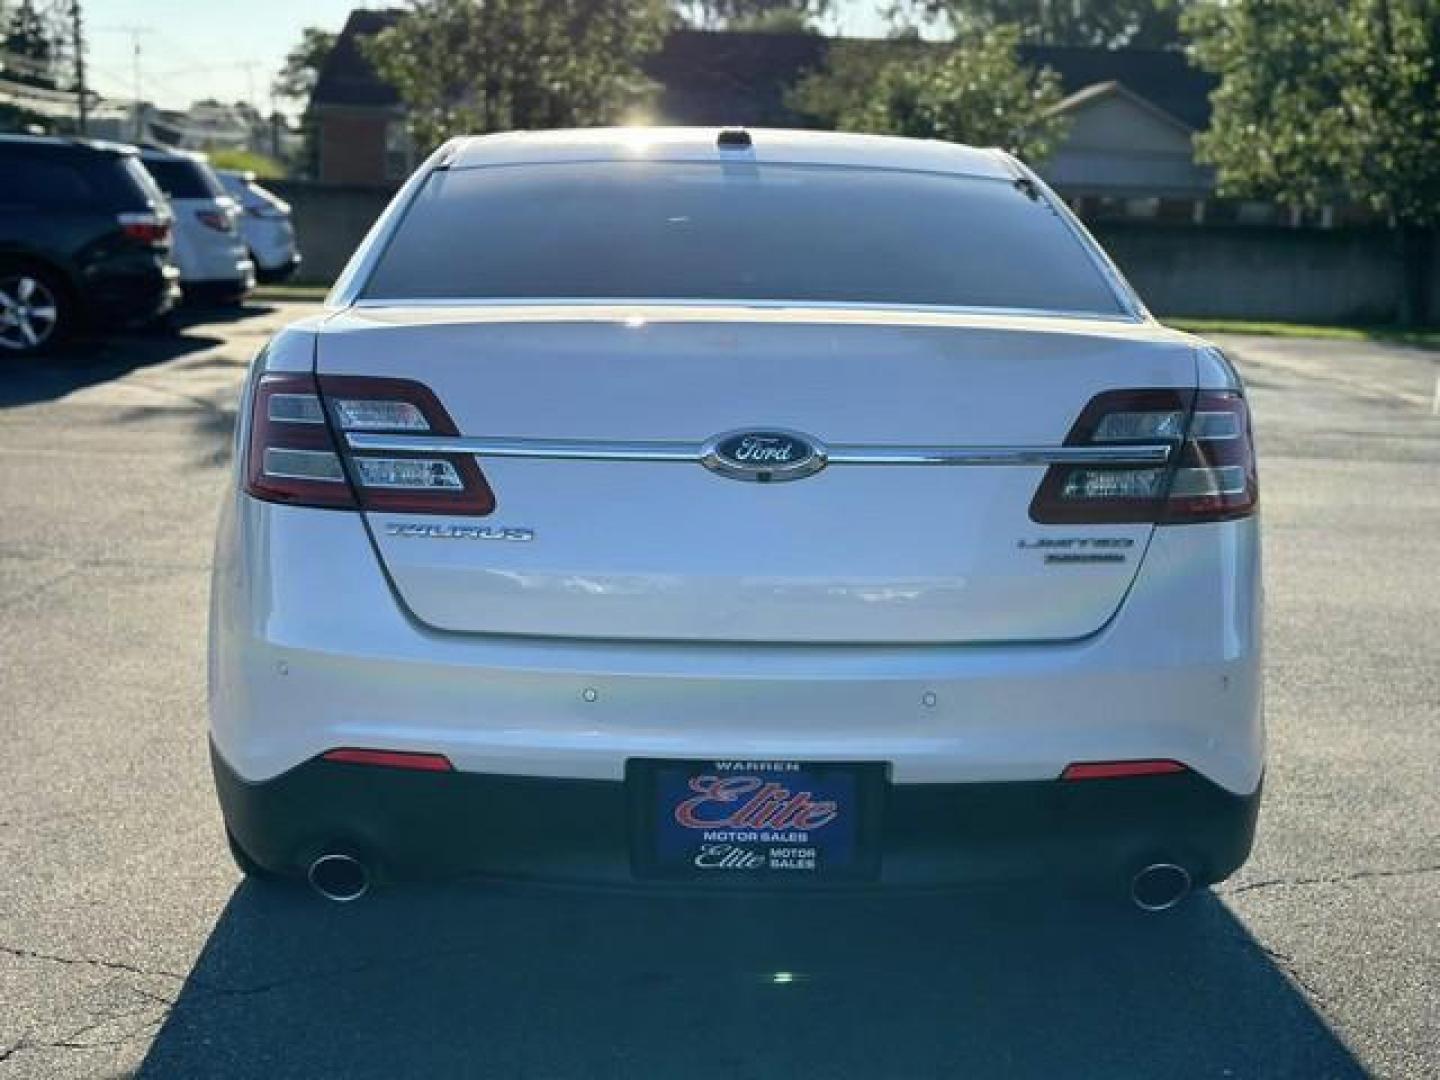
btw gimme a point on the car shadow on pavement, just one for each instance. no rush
(91, 361)
(514, 982)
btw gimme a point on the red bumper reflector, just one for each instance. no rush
(393, 759)
(1106, 770)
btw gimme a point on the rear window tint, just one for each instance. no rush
(142, 179)
(670, 231)
(77, 181)
(181, 179)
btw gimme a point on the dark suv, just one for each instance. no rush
(84, 240)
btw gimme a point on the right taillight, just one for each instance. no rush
(1215, 477)
(293, 455)
(146, 227)
(1209, 474)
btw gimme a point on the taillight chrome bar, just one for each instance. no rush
(690, 453)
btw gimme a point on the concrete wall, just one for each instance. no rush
(1225, 272)
(1301, 275)
(330, 220)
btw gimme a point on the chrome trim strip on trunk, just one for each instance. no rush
(694, 453)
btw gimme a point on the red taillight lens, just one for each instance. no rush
(145, 227)
(293, 456)
(215, 219)
(391, 759)
(1215, 477)
(1210, 474)
(1110, 770)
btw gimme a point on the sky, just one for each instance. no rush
(193, 49)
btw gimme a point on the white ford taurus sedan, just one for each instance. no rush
(737, 508)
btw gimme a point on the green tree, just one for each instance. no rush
(295, 81)
(974, 91)
(297, 77)
(31, 38)
(1108, 24)
(1321, 100)
(495, 65)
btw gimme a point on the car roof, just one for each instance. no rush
(63, 143)
(699, 144)
(169, 153)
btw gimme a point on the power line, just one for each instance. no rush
(136, 32)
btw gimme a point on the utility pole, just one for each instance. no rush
(135, 33)
(77, 32)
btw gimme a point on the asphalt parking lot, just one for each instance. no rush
(128, 942)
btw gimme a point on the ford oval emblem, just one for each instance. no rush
(763, 455)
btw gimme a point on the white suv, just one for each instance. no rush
(214, 264)
(738, 509)
(265, 226)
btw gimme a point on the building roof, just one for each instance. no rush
(721, 77)
(700, 144)
(347, 78)
(1112, 89)
(1162, 77)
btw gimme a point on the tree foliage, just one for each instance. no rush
(495, 65)
(1320, 99)
(974, 91)
(297, 77)
(31, 43)
(1108, 24)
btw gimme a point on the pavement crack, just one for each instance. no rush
(39, 587)
(1335, 879)
(85, 961)
(1291, 970)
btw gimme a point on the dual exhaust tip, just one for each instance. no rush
(343, 878)
(1160, 886)
(339, 877)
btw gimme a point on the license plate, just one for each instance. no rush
(755, 820)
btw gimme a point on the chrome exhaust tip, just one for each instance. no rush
(1160, 886)
(338, 877)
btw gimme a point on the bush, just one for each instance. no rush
(247, 161)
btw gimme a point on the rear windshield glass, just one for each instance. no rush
(142, 179)
(76, 181)
(668, 231)
(184, 179)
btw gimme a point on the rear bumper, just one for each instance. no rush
(279, 271)
(310, 651)
(138, 295)
(229, 287)
(410, 825)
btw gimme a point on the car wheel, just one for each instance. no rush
(247, 866)
(34, 312)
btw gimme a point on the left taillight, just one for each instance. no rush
(146, 227)
(294, 457)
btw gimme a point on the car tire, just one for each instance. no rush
(37, 311)
(246, 865)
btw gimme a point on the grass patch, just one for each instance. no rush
(315, 293)
(1421, 337)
